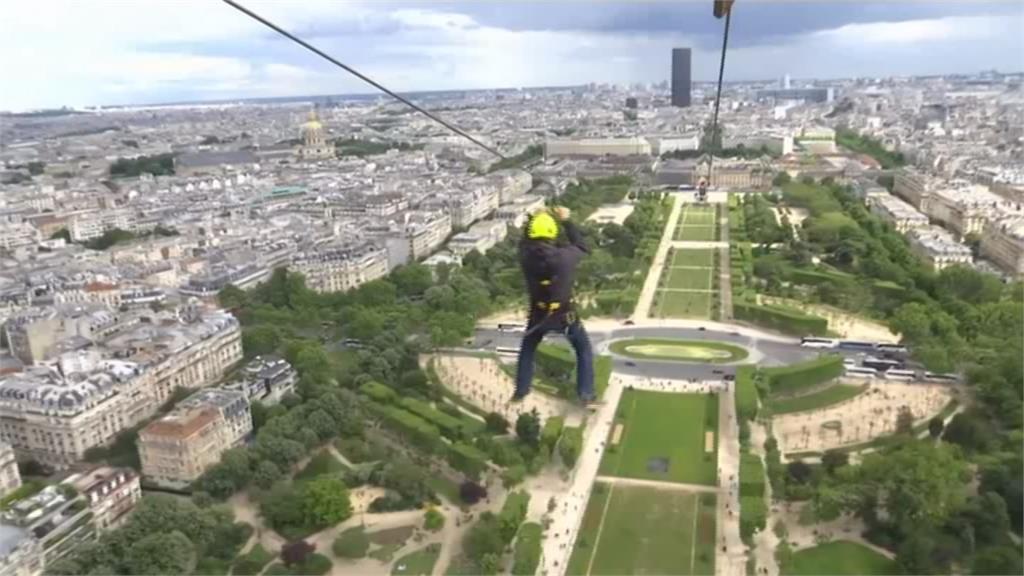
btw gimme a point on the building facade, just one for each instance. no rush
(681, 59)
(10, 478)
(634, 146)
(341, 268)
(57, 518)
(938, 247)
(1003, 243)
(110, 492)
(896, 212)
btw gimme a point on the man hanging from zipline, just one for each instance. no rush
(549, 252)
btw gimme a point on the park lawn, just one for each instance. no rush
(418, 563)
(689, 278)
(840, 557)
(702, 257)
(825, 397)
(583, 548)
(602, 370)
(704, 547)
(684, 304)
(664, 425)
(682, 350)
(651, 531)
(696, 232)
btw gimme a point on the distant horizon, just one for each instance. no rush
(368, 95)
(101, 53)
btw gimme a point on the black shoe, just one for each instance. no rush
(518, 398)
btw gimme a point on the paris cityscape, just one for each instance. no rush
(277, 334)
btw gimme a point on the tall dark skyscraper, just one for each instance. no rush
(681, 77)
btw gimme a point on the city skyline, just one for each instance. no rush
(113, 55)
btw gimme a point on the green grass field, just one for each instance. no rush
(418, 563)
(688, 278)
(669, 426)
(697, 257)
(696, 232)
(683, 304)
(646, 531)
(839, 558)
(819, 399)
(683, 350)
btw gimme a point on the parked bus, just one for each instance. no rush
(938, 377)
(510, 327)
(811, 342)
(855, 372)
(507, 350)
(893, 349)
(857, 345)
(906, 375)
(880, 364)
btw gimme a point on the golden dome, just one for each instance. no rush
(313, 124)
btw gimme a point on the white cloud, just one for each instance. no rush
(916, 31)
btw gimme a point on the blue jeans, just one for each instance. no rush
(576, 335)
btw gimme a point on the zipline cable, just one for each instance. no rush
(359, 75)
(720, 7)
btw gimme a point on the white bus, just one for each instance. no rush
(938, 377)
(900, 375)
(507, 350)
(510, 327)
(810, 342)
(856, 372)
(893, 348)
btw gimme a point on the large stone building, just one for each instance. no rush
(176, 449)
(901, 215)
(10, 478)
(54, 413)
(110, 492)
(90, 225)
(32, 336)
(1003, 242)
(914, 187)
(314, 144)
(633, 146)
(44, 527)
(964, 209)
(334, 268)
(265, 380)
(938, 247)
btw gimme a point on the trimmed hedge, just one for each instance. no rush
(796, 377)
(418, 431)
(816, 277)
(512, 514)
(785, 320)
(467, 459)
(552, 431)
(571, 444)
(379, 392)
(753, 508)
(527, 553)
(449, 426)
(746, 393)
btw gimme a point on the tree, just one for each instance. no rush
(799, 472)
(997, 560)
(496, 423)
(781, 179)
(528, 428)
(266, 474)
(833, 460)
(471, 492)
(935, 426)
(970, 431)
(325, 502)
(433, 520)
(162, 553)
(259, 340)
(905, 421)
(484, 539)
(295, 553)
(352, 543)
(282, 507)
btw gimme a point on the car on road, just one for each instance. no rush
(717, 371)
(628, 323)
(729, 377)
(734, 333)
(630, 364)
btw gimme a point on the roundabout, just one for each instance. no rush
(701, 351)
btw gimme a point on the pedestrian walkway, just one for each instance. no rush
(643, 304)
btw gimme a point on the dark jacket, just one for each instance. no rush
(555, 261)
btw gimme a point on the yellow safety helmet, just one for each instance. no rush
(542, 227)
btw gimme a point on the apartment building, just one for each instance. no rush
(54, 413)
(914, 187)
(1003, 242)
(32, 337)
(481, 237)
(633, 146)
(938, 247)
(468, 207)
(511, 184)
(265, 379)
(57, 518)
(899, 214)
(964, 209)
(176, 449)
(18, 235)
(518, 211)
(20, 552)
(10, 478)
(88, 225)
(426, 232)
(110, 492)
(337, 268)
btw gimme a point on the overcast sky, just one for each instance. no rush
(83, 52)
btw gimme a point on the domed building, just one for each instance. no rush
(314, 144)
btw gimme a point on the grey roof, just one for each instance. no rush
(200, 159)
